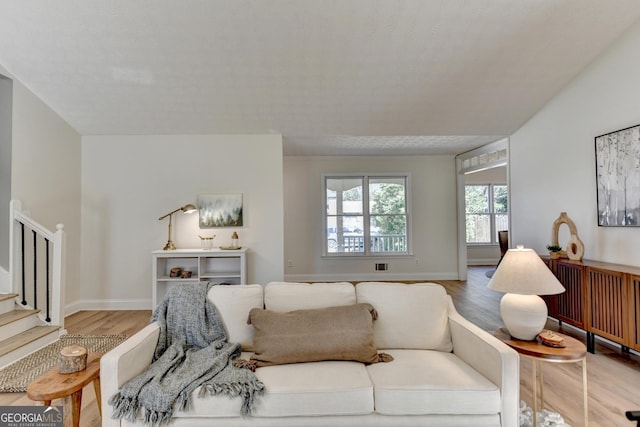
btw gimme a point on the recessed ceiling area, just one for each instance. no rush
(334, 77)
(343, 145)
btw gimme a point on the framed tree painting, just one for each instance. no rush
(618, 178)
(220, 210)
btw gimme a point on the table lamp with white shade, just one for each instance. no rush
(522, 275)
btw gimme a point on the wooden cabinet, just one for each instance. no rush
(601, 298)
(213, 265)
(608, 306)
(634, 321)
(568, 306)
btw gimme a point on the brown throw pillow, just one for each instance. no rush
(333, 333)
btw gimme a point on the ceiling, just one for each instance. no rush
(341, 77)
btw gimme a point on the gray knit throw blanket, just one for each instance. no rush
(192, 351)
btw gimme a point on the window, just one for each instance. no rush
(366, 215)
(486, 212)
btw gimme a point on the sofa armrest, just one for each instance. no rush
(123, 363)
(492, 358)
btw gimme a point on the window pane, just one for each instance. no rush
(476, 198)
(500, 199)
(387, 206)
(487, 212)
(388, 233)
(502, 224)
(387, 195)
(344, 234)
(366, 214)
(344, 196)
(478, 228)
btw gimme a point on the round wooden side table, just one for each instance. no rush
(54, 385)
(573, 352)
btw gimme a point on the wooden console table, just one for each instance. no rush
(601, 298)
(574, 352)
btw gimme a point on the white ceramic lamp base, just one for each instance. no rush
(523, 315)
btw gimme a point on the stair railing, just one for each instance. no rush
(36, 265)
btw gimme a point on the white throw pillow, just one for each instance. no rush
(410, 316)
(289, 296)
(234, 302)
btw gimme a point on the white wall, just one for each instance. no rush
(433, 180)
(128, 182)
(6, 107)
(45, 172)
(552, 157)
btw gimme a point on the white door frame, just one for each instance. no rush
(488, 156)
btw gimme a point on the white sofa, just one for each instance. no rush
(446, 371)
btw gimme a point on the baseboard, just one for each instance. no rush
(371, 277)
(83, 305)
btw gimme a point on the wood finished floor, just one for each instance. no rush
(613, 377)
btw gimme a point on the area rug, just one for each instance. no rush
(545, 418)
(16, 377)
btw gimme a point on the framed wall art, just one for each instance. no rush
(618, 178)
(220, 210)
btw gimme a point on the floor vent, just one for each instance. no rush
(382, 266)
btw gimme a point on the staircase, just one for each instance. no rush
(21, 330)
(36, 276)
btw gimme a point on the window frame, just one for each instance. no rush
(491, 214)
(366, 214)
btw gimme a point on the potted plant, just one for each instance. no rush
(554, 251)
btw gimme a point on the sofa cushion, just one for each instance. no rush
(233, 303)
(442, 384)
(315, 388)
(431, 382)
(410, 316)
(289, 296)
(303, 389)
(333, 333)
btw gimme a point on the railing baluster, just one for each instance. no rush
(52, 267)
(22, 268)
(35, 270)
(48, 302)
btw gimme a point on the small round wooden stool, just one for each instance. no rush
(54, 385)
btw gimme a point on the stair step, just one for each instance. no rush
(28, 336)
(4, 297)
(7, 302)
(17, 321)
(15, 315)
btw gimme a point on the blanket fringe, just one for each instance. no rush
(385, 357)
(248, 392)
(245, 364)
(124, 407)
(183, 403)
(156, 418)
(128, 408)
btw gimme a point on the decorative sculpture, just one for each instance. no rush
(575, 247)
(72, 359)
